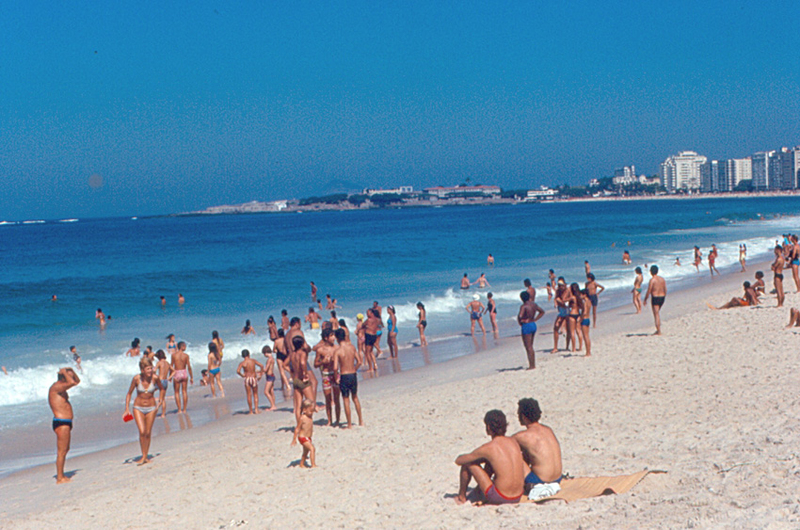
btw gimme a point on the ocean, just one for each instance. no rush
(236, 267)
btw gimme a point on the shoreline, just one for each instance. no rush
(506, 360)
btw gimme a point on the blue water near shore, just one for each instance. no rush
(232, 268)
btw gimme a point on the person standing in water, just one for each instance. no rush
(475, 310)
(62, 417)
(391, 328)
(490, 261)
(491, 310)
(422, 323)
(465, 283)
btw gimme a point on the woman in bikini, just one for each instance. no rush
(561, 301)
(422, 323)
(214, 365)
(145, 405)
(280, 359)
(391, 327)
(491, 308)
(172, 347)
(585, 321)
(575, 311)
(637, 290)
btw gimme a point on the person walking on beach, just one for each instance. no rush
(657, 288)
(269, 377)
(712, 258)
(214, 366)
(698, 258)
(247, 371)
(743, 256)
(370, 328)
(497, 466)
(303, 433)
(637, 290)
(180, 366)
(491, 310)
(325, 352)
(475, 310)
(391, 330)
(164, 374)
(539, 445)
(594, 289)
(529, 313)
(58, 399)
(346, 361)
(777, 270)
(422, 323)
(144, 405)
(583, 329)
(280, 359)
(218, 341)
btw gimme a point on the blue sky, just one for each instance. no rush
(183, 105)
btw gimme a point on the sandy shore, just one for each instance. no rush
(713, 402)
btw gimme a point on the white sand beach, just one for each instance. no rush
(713, 402)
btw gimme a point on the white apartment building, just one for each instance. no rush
(624, 175)
(733, 171)
(790, 168)
(682, 171)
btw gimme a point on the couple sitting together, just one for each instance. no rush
(508, 468)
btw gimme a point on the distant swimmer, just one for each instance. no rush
(657, 288)
(3, 368)
(698, 258)
(637, 290)
(491, 310)
(62, 417)
(743, 256)
(482, 282)
(497, 466)
(181, 299)
(134, 351)
(422, 323)
(328, 302)
(529, 288)
(144, 405)
(248, 329)
(594, 289)
(163, 301)
(54, 298)
(346, 361)
(99, 315)
(250, 370)
(528, 314)
(334, 321)
(677, 262)
(777, 269)
(540, 448)
(490, 260)
(181, 375)
(626, 257)
(475, 310)
(712, 259)
(313, 292)
(312, 318)
(76, 357)
(465, 283)
(749, 298)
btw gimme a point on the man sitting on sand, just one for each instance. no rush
(539, 445)
(750, 298)
(497, 466)
(62, 417)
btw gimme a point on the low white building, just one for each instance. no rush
(446, 191)
(542, 194)
(397, 191)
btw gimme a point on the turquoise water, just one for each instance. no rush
(232, 268)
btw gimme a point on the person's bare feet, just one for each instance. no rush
(144, 461)
(63, 480)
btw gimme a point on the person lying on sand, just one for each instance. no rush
(497, 466)
(750, 298)
(539, 445)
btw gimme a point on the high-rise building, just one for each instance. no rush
(709, 176)
(733, 171)
(682, 171)
(789, 161)
(761, 170)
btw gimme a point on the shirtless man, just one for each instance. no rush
(750, 298)
(346, 361)
(497, 466)
(285, 320)
(180, 366)
(99, 315)
(62, 417)
(551, 284)
(313, 292)
(593, 289)
(475, 310)
(312, 318)
(529, 313)
(490, 261)
(465, 283)
(777, 269)
(530, 289)
(247, 370)
(657, 288)
(370, 328)
(323, 360)
(539, 445)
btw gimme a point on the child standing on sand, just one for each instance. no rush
(269, 376)
(304, 431)
(164, 374)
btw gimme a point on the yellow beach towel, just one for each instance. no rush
(582, 488)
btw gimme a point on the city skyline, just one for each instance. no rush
(142, 109)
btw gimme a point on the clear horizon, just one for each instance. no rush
(139, 108)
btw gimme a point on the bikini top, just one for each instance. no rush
(149, 390)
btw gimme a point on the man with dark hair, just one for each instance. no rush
(529, 313)
(539, 445)
(62, 417)
(497, 466)
(657, 288)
